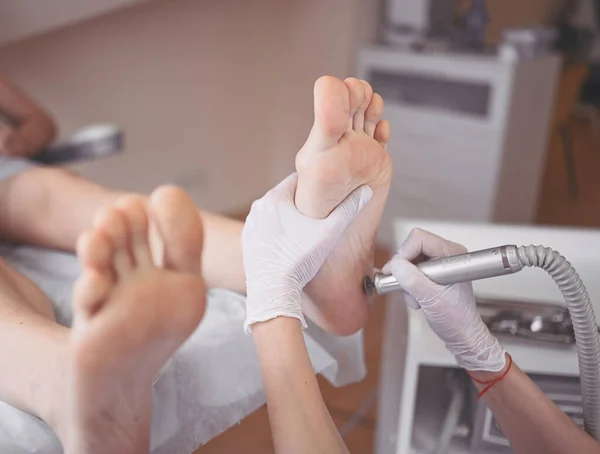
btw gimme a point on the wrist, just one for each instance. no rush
(279, 328)
(261, 308)
(263, 304)
(480, 377)
(477, 351)
(275, 339)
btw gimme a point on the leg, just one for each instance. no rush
(34, 350)
(49, 207)
(130, 317)
(345, 149)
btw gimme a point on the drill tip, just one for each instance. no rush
(369, 285)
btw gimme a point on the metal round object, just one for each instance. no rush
(92, 142)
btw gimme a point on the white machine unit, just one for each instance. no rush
(412, 402)
(469, 133)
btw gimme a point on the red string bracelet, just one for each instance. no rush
(490, 384)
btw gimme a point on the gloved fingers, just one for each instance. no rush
(346, 211)
(387, 268)
(410, 301)
(421, 242)
(262, 210)
(328, 230)
(413, 281)
(340, 217)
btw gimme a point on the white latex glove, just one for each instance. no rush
(283, 249)
(450, 310)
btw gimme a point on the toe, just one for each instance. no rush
(92, 287)
(157, 246)
(94, 251)
(90, 291)
(359, 121)
(111, 223)
(373, 114)
(180, 227)
(382, 133)
(133, 210)
(332, 112)
(356, 90)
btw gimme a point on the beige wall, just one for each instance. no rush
(214, 91)
(25, 18)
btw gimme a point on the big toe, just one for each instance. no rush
(332, 112)
(180, 227)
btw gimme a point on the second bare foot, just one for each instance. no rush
(130, 317)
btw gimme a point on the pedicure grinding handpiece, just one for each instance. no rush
(467, 267)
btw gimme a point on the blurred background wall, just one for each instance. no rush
(213, 95)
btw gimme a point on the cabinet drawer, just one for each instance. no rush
(444, 198)
(468, 166)
(404, 206)
(442, 126)
(434, 92)
(415, 198)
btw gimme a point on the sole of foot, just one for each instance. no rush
(346, 149)
(130, 317)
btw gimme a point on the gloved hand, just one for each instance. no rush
(283, 249)
(450, 310)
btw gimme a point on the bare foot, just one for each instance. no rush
(130, 317)
(345, 149)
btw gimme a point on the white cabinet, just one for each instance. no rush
(469, 133)
(24, 18)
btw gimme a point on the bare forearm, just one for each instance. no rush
(300, 422)
(532, 423)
